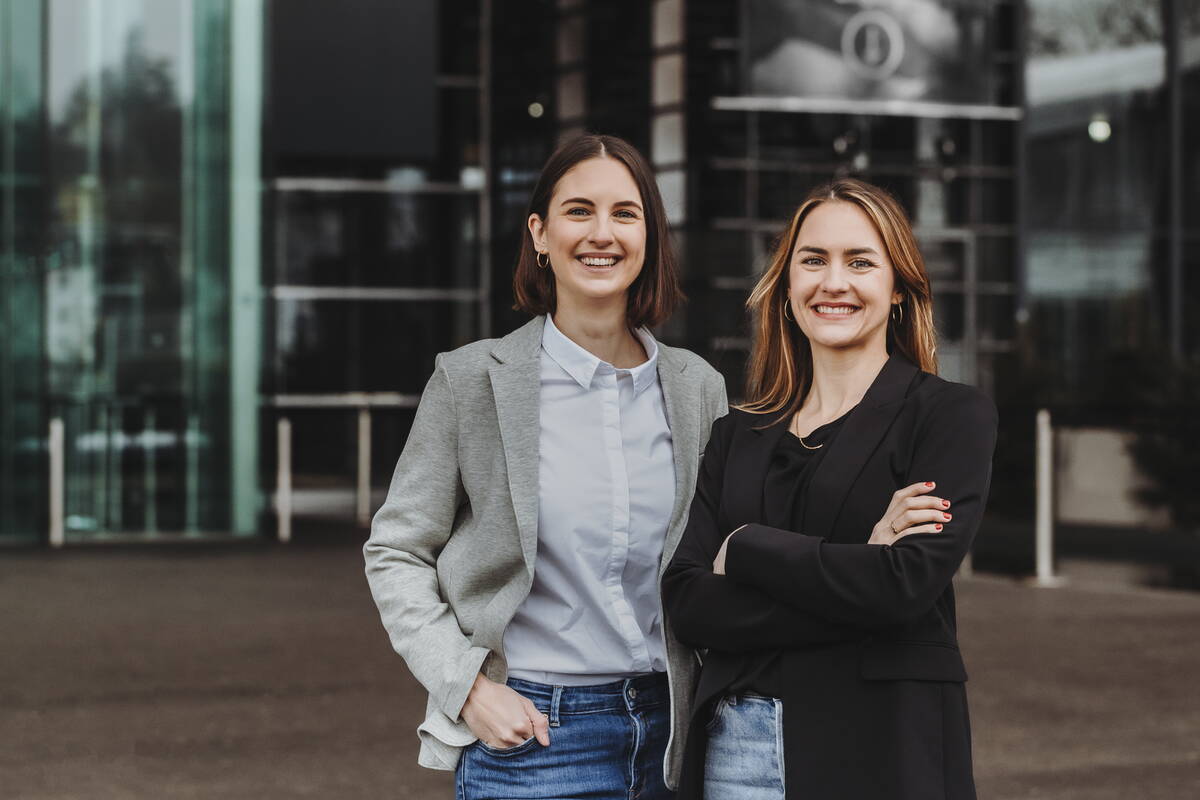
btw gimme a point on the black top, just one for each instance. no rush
(784, 500)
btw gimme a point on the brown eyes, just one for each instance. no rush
(624, 213)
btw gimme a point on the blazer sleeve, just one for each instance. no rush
(871, 584)
(709, 610)
(407, 534)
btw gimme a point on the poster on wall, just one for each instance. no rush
(915, 50)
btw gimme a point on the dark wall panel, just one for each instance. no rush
(353, 78)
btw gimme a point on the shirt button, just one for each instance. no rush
(632, 693)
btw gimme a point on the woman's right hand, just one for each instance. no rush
(501, 718)
(912, 510)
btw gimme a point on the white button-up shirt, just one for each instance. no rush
(605, 493)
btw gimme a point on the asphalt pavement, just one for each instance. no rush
(261, 671)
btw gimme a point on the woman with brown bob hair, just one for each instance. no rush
(815, 570)
(542, 490)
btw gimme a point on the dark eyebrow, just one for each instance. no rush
(810, 249)
(586, 202)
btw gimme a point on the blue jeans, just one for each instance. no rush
(744, 760)
(607, 742)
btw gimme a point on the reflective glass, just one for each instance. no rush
(402, 239)
(23, 467)
(136, 291)
(1189, 60)
(1095, 202)
(334, 346)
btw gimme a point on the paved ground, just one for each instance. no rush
(262, 672)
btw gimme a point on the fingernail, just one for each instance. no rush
(929, 484)
(947, 516)
(937, 527)
(945, 503)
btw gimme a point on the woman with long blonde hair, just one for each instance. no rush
(814, 575)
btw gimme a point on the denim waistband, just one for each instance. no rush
(631, 694)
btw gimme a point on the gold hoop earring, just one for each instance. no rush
(787, 303)
(538, 258)
(898, 307)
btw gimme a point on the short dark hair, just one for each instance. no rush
(655, 293)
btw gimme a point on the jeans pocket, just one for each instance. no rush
(718, 707)
(508, 752)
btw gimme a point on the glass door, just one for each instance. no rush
(137, 334)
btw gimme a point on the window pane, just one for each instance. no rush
(406, 239)
(365, 346)
(1096, 156)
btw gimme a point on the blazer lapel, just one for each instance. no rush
(750, 459)
(854, 445)
(682, 399)
(516, 386)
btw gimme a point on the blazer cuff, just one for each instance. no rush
(468, 668)
(757, 553)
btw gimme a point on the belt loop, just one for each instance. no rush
(558, 690)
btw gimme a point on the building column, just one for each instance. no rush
(245, 227)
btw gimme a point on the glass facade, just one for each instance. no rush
(1097, 198)
(23, 500)
(217, 215)
(378, 255)
(118, 266)
(1109, 319)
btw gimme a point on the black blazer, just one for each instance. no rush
(875, 705)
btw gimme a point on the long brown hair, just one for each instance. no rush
(780, 371)
(655, 293)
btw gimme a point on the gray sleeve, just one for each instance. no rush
(407, 534)
(716, 391)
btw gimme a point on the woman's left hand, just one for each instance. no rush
(719, 561)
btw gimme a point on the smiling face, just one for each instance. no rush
(841, 285)
(594, 231)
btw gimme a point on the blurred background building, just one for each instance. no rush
(217, 214)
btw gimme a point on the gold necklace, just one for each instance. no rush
(804, 444)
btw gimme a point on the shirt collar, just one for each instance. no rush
(582, 365)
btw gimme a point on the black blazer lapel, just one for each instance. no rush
(746, 470)
(854, 445)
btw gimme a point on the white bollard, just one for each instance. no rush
(363, 495)
(283, 480)
(57, 484)
(1044, 516)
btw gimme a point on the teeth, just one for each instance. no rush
(836, 309)
(598, 262)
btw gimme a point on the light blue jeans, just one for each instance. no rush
(744, 760)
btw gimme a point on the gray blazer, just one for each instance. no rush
(451, 553)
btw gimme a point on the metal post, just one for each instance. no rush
(149, 471)
(283, 480)
(57, 480)
(363, 505)
(1045, 502)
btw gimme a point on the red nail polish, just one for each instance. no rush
(937, 527)
(945, 504)
(929, 483)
